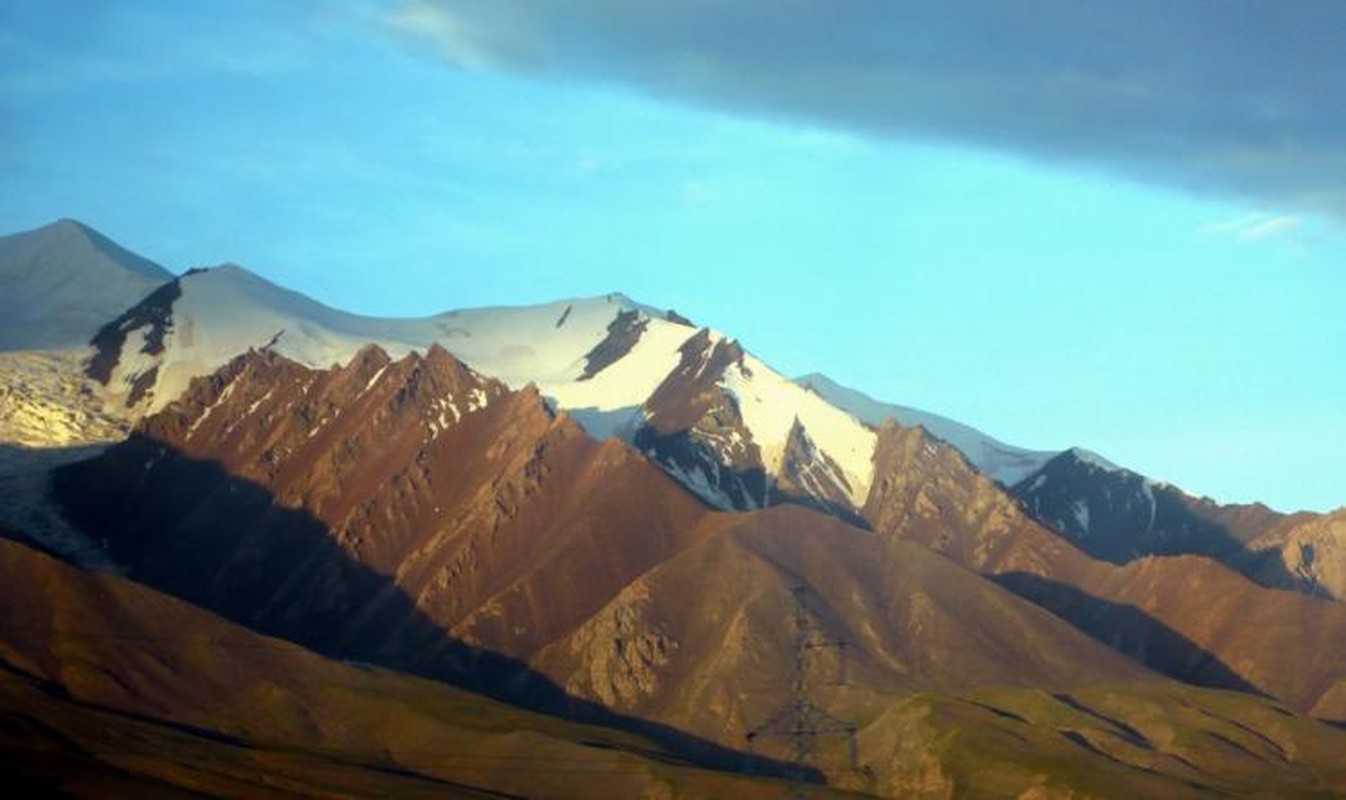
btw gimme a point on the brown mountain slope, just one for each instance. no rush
(1244, 521)
(1277, 641)
(1105, 741)
(913, 620)
(332, 508)
(109, 688)
(704, 630)
(1187, 616)
(925, 491)
(361, 511)
(365, 508)
(373, 509)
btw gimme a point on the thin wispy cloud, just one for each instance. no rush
(1239, 97)
(1253, 227)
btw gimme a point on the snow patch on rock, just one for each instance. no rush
(770, 404)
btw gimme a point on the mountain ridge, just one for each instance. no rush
(593, 507)
(679, 602)
(604, 359)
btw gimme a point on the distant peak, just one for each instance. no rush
(64, 228)
(371, 353)
(230, 267)
(616, 299)
(66, 233)
(68, 223)
(622, 302)
(1091, 458)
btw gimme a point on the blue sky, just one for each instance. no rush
(1025, 234)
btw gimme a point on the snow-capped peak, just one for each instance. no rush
(223, 311)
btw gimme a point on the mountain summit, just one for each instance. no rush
(62, 281)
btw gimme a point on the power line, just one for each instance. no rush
(800, 721)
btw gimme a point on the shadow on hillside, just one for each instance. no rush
(1129, 630)
(26, 511)
(1165, 524)
(190, 528)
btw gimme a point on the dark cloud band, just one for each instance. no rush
(1232, 96)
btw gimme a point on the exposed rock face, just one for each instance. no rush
(693, 429)
(1118, 516)
(153, 314)
(369, 509)
(1189, 616)
(1309, 549)
(413, 512)
(623, 333)
(925, 491)
(618, 654)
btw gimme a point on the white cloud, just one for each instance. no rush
(1253, 227)
(470, 38)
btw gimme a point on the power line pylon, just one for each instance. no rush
(799, 720)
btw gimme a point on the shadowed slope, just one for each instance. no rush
(371, 510)
(473, 500)
(112, 688)
(108, 688)
(1117, 515)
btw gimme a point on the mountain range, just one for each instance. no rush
(596, 510)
